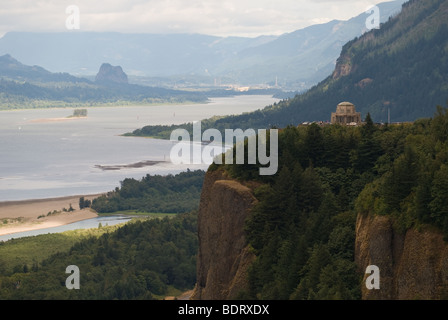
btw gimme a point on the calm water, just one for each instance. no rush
(84, 224)
(52, 159)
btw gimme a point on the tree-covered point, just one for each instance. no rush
(161, 194)
(303, 228)
(413, 182)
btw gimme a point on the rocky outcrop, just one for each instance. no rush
(413, 265)
(109, 74)
(343, 67)
(224, 255)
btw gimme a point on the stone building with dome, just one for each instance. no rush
(346, 114)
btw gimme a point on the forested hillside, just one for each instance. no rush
(156, 194)
(141, 260)
(145, 259)
(303, 229)
(399, 69)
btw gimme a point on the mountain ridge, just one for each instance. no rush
(11, 68)
(397, 68)
(226, 59)
(23, 86)
(395, 72)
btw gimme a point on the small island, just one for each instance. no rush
(78, 113)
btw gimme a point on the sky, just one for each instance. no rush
(247, 18)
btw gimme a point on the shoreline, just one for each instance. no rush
(33, 214)
(115, 105)
(46, 120)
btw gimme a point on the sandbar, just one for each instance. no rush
(26, 215)
(45, 120)
(140, 164)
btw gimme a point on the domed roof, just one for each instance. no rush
(345, 108)
(345, 103)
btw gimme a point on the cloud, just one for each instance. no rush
(215, 17)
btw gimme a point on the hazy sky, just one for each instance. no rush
(213, 17)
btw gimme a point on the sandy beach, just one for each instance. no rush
(18, 216)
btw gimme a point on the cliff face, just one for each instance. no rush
(343, 67)
(413, 265)
(223, 256)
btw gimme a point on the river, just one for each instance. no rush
(84, 224)
(44, 159)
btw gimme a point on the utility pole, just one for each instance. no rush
(388, 115)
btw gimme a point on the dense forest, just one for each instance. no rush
(140, 260)
(303, 229)
(154, 194)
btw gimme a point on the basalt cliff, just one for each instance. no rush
(224, 255)
(412, 264)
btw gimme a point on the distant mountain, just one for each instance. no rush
(80, 53)
(400, 68)
(304, 57)
(297, 60)
(23, 86)
(12, 69)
